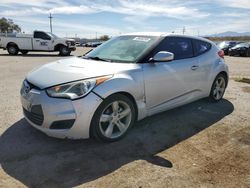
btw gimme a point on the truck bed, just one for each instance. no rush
(22, 42)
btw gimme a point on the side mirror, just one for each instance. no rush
(162, 56)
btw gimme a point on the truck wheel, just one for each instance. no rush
(64, 51)
(12, 50)
(24, 52)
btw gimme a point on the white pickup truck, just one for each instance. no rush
(39, 41)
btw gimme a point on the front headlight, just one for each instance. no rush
(68, 43)
(75, 90)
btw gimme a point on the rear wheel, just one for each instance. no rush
(12, 49)
(113, 118)
(248, 53)
(64, 51)
(218, 88)
(24, 52)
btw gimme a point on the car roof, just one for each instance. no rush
(164, 34)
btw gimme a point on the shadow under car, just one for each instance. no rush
(40, 161)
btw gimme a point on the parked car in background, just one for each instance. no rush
(38, 41)
(128, 78)
(225, 45)
(242, 49)
(92, 44)
(78, 43)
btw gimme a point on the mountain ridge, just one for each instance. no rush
(230, 34)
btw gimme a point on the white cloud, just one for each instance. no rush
(82, 9)
(233, 14)
(160, 9)
(34, 3)
(126, 7)
(24, 12)
(236, 3)
(134, 14)
(63, 28)
(214, 27)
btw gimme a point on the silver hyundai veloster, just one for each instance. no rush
(127, 78)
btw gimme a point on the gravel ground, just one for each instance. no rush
(197, 145)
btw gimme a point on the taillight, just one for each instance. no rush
(221, 53)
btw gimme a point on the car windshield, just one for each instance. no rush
(52, 35)
(123, 49)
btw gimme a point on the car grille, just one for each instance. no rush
(35, 115)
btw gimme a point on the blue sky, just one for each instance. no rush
(85, 18)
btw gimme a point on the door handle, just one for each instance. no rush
(194, 67)
(37, 40)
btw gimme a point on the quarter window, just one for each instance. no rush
(201, 47)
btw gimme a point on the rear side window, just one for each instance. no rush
(200, 47)
(181, 47)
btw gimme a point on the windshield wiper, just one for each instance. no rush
(96, 58)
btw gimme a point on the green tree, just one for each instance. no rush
(7, 25)
(104, 37)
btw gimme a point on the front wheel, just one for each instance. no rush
(218, 88)
(113, 118)
(64, 51)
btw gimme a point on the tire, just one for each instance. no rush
(118, 113)
(12, 49)
(24, 52)
(248, 53)
(218, 88)
(64, 51)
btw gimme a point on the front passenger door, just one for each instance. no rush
(41, 41)
(169, 84)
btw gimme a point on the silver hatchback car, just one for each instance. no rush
(127, 78)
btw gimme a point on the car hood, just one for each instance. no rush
(239, 47)
(72, 69)
(69, 39)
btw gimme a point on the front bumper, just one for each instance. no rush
(43, 112)
(226, 50)
(72, 48)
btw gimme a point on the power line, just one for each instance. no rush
(50, 21)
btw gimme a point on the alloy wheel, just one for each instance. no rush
(219, 88)
(115, 119)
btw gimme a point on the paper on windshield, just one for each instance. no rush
(142, 39)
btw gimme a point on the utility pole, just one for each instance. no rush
(183, 30)
(50, 21)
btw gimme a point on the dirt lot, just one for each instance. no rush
(197, 145)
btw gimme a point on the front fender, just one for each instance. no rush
(130, 84)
